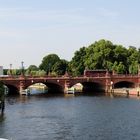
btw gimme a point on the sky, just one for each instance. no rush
(32, 29)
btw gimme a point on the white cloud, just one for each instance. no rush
(104, 12)
(65, 16)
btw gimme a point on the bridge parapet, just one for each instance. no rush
(124, 75)
(21, 82)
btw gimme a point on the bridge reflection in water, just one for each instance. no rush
(80, 118)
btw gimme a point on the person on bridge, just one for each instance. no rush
(2, 97)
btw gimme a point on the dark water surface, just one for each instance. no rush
(71, 118)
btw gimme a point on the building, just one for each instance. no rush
(1, 70)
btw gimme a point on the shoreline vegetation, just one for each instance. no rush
(102, 54)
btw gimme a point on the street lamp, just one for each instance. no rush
(22, 68)
(10, 69)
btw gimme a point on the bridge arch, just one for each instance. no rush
(12, 90)
(124, 84)
(52, 87)
(91, 87)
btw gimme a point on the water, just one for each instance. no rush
(71, 118)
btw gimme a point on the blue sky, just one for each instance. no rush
(32, 29)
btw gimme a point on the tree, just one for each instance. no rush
(31, 69)
(133, 68)
(100, 55)
(121, 69)
(76, 65)
(120, 54)
(40, 73)
(48, 62)
(60, 67)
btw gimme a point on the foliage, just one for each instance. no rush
(102, 54)
(133, 68)
(36, 73)
(77, 66)
(48, 62)
(32, 67)
(60, 67)
(31, 70)
(105, 55)
(13, 72)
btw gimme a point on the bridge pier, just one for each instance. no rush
(108, 84)
(66, 86)
(21, 86)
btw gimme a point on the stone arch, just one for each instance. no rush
(12, 90)
(91, 87)
(53, 87)
(124, 84)
(37, 88)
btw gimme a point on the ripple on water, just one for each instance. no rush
(78, 118)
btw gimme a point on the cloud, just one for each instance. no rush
(104, 12)
(33, 16)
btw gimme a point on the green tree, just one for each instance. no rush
(40, 73)
(133, 55)
(76, 65)
(115, 65)
(133, 68)
(100, 55)
(120, 54)
(121, 69)
(48, 62)
(60, 67)
(31, 69)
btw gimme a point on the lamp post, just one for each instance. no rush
(10, 69)
(22, 68)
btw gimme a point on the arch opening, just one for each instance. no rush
(12, 90)
(124, 84)
(37, 88)
(54, 88)
(44, 88)
(92, 87)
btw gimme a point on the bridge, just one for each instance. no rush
(98, 82)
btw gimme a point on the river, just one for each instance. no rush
(71, 118)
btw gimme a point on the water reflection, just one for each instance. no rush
(70, 118)
(2, 117)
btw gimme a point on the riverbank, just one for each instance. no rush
(125, 92)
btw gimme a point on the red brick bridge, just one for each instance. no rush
(97, 81)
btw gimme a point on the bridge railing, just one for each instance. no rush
(6, 77)
(9, 77)
(125, 75)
